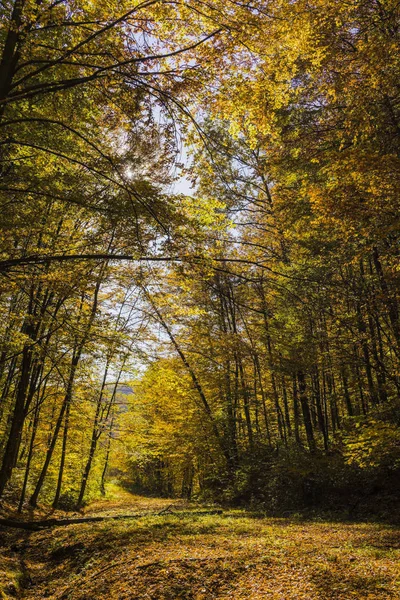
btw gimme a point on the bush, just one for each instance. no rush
(288, 480)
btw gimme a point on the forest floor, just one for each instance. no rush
(186, 551)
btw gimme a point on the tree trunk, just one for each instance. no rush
(104, 472)
(30, 454)
(246, 402)
(9, 59)
(264, 400)
(17, 423)
(320, 413)
(346, 393)
(306, 411)
(390, 301)
(63, 454)
(296, 412)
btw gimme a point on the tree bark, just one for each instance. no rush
(306, 411)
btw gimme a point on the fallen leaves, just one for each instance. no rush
(201, 556)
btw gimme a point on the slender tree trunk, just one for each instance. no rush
(104, 472)
(320, 414)
(63, 454)
(187, 480)
(332, 401)
(286, 406)
(92, 450)
(17, 423)
(30, 451)
(263, 397)
(246, 402)
(389, 299)
(367, 361)
(4, 395)
(34, 497)
(346, 393)
(231, 417)
(256, 403)
(306, 411)
(379, 371)
(279, 415)
(75, 361)
(97, 427)
(296, 412)
(268, 346)
(10, 56)
(364, 406)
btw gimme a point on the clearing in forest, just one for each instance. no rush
(177, 550)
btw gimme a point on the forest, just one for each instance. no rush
(199, 257)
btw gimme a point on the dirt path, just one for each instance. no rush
(190, 554)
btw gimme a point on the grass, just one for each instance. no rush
(192, 555)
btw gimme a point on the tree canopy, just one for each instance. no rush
(238, 342)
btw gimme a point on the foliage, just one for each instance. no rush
(235, 343)
(191, 553)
